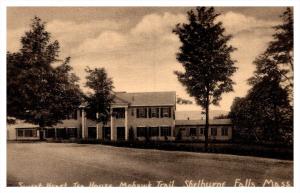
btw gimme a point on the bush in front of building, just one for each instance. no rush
(278, 152)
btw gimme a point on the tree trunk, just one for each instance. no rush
(276, 134)
(255, 135)
(41, 129)
(206, 123)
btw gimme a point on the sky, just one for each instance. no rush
(136, 44)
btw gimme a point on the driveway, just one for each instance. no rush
(67, 164)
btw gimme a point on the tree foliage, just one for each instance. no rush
(280, 50)
(282, 47)
(182, 101)
(265, 114)
(268, 107)
(38, 92)
(100, 100)
(244, 119)
(205, 56)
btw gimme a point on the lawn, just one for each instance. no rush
(69, 164)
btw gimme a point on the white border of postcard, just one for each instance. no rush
(5, 3)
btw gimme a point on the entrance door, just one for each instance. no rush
(92, 133)
(106, 133)
(120, 133)
(41, 134)
(61, 133)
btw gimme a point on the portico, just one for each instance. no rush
(119, 122)
(153, 110)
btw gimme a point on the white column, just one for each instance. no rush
(126, 123)
(112, 126)
(98, 128)
(83, 124)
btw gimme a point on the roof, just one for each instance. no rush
(202, 122)
(146, 98)
(198, 115)
(21, 124)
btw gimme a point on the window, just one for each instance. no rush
(213, 131)
(141, 112)
(50, 133)
(26, 132)
(61, 133)
(20, 133)
(29, 133)
(165, 112)
(202, 131)
(119, 113)
(153, 112)
(141, 131)
(72, 132)
(224, 131)
(165, 131)
(154, 131)
(193, 132)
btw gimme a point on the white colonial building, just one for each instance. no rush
(147, 115)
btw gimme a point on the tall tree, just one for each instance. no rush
(271, 100)
(205, 56)
(267, 105)
(282, 47)
(99, 101)
(272, 83)
(38, 92)
(281, 50)
(269, 97)
(265, 109)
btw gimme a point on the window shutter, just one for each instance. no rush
(149, 113)
(174, 115)
(157, 112)
(137, 113)
(169, 111)
(161, 112)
